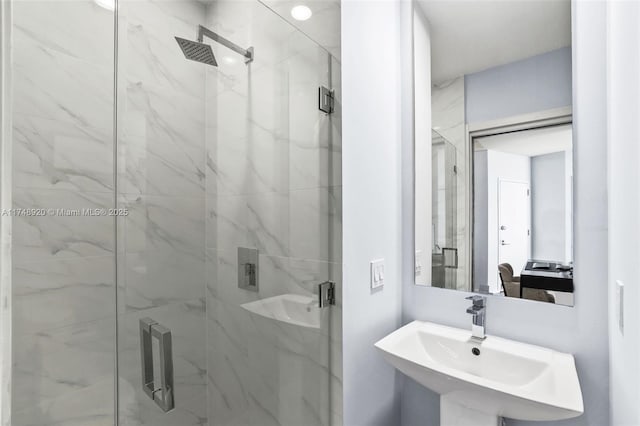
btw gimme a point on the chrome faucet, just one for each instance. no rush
(478, 310)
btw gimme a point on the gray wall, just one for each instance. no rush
(372, 208)
(533, 84)
(548, 206)
(581, 330)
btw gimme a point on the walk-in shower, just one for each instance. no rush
(201, 52)
(174, 221)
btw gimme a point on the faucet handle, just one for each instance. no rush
(478, 301)
(475, 310)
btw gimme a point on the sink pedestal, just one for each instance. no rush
(454, 414)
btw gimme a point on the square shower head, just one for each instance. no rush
(196, 51)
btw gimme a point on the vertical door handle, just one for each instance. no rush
(146, 356)
(161, 393)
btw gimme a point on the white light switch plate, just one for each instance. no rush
(377, 273)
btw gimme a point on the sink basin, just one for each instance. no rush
(506, 378)
(293, 309)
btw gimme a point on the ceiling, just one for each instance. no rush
(468, 36)
(529, 142)
(323, 26)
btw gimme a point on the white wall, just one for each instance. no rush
(489, 168)
(423, 144)
(372, 205)
(624, 209)
(581, 330)
(505, 166)
(548, 206)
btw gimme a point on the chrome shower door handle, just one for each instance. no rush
(161, 393)
(146, 356)
(163, 396)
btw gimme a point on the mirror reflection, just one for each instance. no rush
(494, 170)
(522, 212)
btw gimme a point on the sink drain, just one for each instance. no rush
(475, 351)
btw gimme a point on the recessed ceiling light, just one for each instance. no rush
(301, 12)
(106, 4)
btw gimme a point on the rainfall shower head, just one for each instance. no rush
(197, 51)
(201, 52)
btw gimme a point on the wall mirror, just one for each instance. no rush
(493, 145)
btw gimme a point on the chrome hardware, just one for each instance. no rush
(504, 243)
(326, 294)
(503, 228)
(248, 268)
(450, 257)
(202, 52)
(247, 53)
(478, 311)
(162, 395)
(326, 100)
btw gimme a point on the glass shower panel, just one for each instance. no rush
(273, 186)
(444, 193)
(63, 258)
(231, 178)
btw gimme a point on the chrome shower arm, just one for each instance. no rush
(247, 53)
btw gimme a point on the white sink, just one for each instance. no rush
(293, 309)
(507, 378)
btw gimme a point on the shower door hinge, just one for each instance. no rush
(326, 100)
(326, 294)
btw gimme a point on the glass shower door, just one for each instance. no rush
(230, 175)
(444, 193)
(161, 262)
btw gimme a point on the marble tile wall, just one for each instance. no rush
(447, 109)
(63, 267)
(273, 182)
